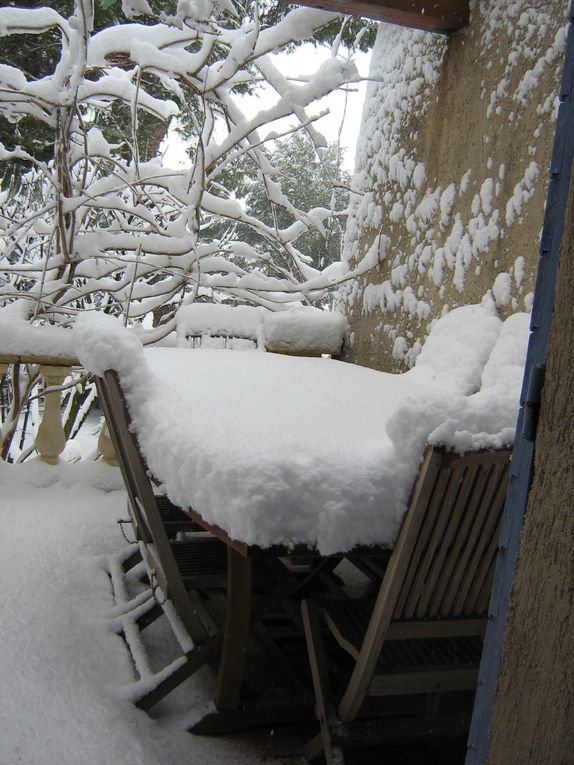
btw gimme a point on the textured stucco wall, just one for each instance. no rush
(532, 718)
(451, 173)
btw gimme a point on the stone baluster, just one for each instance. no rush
(106, 446)
(51, 440)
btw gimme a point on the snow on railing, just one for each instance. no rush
(39, 363)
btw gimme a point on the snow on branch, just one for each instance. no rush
(102, 222)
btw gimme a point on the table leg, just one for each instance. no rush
(236, 635)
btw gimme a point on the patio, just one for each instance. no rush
(63, 660)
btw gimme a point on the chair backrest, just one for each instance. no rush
(457, 514)
(157, 547)
(440, 573)
(220, 340)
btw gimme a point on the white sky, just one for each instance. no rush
(345, 110)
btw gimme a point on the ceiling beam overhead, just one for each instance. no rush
(431, 15)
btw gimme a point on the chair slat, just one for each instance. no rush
(492, 509)
(461, 484)
(433, 499)
(437, 515)
(479, 595)
(481, 524)
(468, 509)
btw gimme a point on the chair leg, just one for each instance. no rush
(194, 660)
(324, 706)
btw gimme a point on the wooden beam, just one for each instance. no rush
(30, 358)
(430, 15)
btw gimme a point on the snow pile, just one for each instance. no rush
(297, 329)
(293, 450)
(19, 338)
(484, 420)
(505, 365)
(459, 344)
(103, 343)
(304, 328)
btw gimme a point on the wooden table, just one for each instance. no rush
(232, 712)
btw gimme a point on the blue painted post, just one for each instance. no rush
(523, 454)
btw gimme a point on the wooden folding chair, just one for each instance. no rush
(423, 632)
(179, 568)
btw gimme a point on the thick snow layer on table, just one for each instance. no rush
(288, 450)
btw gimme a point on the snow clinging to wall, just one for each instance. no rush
(451, 171)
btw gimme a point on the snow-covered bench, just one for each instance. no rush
(303, 330)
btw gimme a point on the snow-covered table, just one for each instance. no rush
(292, 451)
(267, 450)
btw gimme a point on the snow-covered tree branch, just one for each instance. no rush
(100, 225)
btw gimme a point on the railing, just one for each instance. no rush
(50, 440)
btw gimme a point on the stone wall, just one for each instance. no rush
(451, 174)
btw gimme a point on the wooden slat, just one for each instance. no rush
(348, 627)
(237, 617)
(433, 495)
(493, 486)
(436, 516)
(498, 481)
(325, 706)
(436, 628)
(433, 557)
(481, 534)
(424, 681)
(470, 505)
(430, 15)
(479, 595)
(49, 361)
(438, 577)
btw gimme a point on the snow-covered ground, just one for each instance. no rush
(64, 671)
